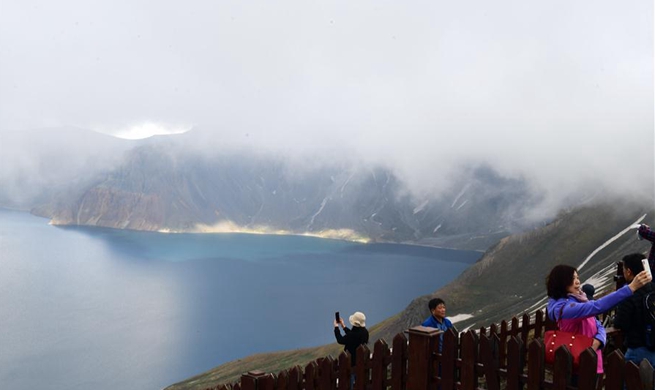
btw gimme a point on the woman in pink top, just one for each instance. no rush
(573, 312)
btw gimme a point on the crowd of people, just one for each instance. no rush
(571, 306)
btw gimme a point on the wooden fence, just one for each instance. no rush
(507, 356)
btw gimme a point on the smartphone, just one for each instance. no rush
(644, 262)
(336, 317)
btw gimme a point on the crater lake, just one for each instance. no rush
(84, 308)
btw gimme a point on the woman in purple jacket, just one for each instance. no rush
(573, 312)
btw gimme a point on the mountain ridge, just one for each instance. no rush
(157, 187)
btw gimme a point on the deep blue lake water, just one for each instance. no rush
(90, 308)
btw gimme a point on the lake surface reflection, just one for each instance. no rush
(109, 309)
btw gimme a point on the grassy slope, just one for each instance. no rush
(507, 280)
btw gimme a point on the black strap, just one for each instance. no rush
(561, 312)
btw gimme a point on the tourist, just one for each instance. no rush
(354, 337)
(437, 318)
(646, 233)
(632, 316)
(574, 313)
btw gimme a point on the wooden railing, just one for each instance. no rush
(509, 356)
(505, 356)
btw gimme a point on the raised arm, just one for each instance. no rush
(341, 339)
(588, 309)
(647, 233)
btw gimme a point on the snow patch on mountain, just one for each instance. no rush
(611, 240)
(323, 203)
(421, 207)
(462, 192)
(462, 205)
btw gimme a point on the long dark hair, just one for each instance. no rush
(558, 281)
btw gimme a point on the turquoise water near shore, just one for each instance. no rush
(114, 309)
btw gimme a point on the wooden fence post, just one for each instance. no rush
(514, 363)
(646, 374)
(266, 382)
(538, 324)
(345, 371)
(283, 380)
(503, 344)
(311, 372)
(249, 380)
(548, 323)
(525, 328)
(326, 374)
(514, 331)
(379, 370)
(632, 378)
(295, 379)
(614, 370)
(449, 360)
(536, 364)
(421, 345)
(489, 359)
(469, 355)
(361, 368)
(587, 370)
(399, 363)
(563, 368)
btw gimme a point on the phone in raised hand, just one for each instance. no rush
(644, 262)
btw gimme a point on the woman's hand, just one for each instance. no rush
(343, 325)
(336, 324)
(640, 281)
(596, 344)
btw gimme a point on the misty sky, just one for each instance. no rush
(559, 91)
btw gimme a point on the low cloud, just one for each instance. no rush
(561, 99)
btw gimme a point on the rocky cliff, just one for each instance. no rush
(163, 188)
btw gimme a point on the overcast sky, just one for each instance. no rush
(559, 91)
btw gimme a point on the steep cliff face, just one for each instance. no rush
(159, 187)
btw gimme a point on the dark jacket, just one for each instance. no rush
(353, 339)
(631, 318)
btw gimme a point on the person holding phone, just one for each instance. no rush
(354, 337)
(633, 317)
(646, 233)
(575, 313)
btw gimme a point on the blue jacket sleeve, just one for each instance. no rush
(601, 335)
(591, 308)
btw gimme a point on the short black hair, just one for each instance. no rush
(434, 302)
(633, 262)
(558, 280)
